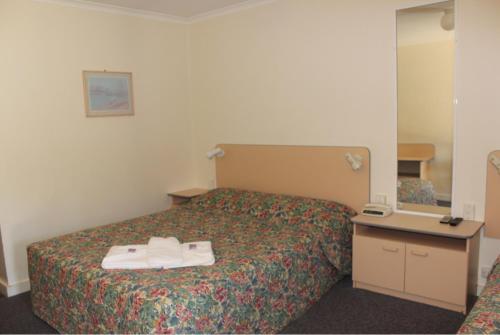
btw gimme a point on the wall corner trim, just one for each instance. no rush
(100, 7)
(228, 10)
(95, 6)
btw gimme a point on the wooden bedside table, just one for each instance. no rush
(185, 196)
(417, 258)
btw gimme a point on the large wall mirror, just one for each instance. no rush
(426, 57)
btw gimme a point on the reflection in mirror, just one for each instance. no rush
(425, 107)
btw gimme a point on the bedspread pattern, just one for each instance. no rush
(268, 270)
(416, 191)
(484, 318)
(327, 219)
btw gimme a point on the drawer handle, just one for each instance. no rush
(390, 249)
(419, 254)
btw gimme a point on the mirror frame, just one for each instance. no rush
(452, 208)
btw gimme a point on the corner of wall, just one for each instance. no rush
(3, 267)
(191, 109)
(3, 287)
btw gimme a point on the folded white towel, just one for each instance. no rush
(131, 257)
(164, 252)
(197, 254)
(159, 253)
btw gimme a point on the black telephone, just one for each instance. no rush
(455, 221)
(451, 220)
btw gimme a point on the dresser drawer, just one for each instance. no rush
(379, 262)
(436, 273)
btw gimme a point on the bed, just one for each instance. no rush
(484, 318)
(275, 255)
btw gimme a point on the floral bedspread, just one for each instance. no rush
(275, 256)
(416, 191)
(484, 318)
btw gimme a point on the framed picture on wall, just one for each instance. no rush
(108, 93)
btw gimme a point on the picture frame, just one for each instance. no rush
(108, 93)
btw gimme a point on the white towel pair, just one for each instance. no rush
(159, 253)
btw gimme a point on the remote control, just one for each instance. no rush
(455, 221)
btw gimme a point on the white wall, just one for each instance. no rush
(323, 72)
(298, 72)
(478, 110)
(60, 171)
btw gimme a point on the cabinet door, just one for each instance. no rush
(379, 262)
(436, 273)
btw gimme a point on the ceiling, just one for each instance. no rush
(179, 8)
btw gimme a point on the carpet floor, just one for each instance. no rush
(342, 310)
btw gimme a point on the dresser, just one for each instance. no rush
(417, 258)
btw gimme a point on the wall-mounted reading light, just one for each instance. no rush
(356, 161)
(495, 161)
(217, 152)
(448, 20)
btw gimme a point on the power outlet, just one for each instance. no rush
(469, 211)
(381, 198)
(485, 271)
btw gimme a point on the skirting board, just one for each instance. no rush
(10, 290)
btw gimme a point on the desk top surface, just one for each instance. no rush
(421, 224)
(191, 193)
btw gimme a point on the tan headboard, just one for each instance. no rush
(309, 171)
(492, 210)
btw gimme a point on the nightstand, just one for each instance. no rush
(417, 258)
(185, 196)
